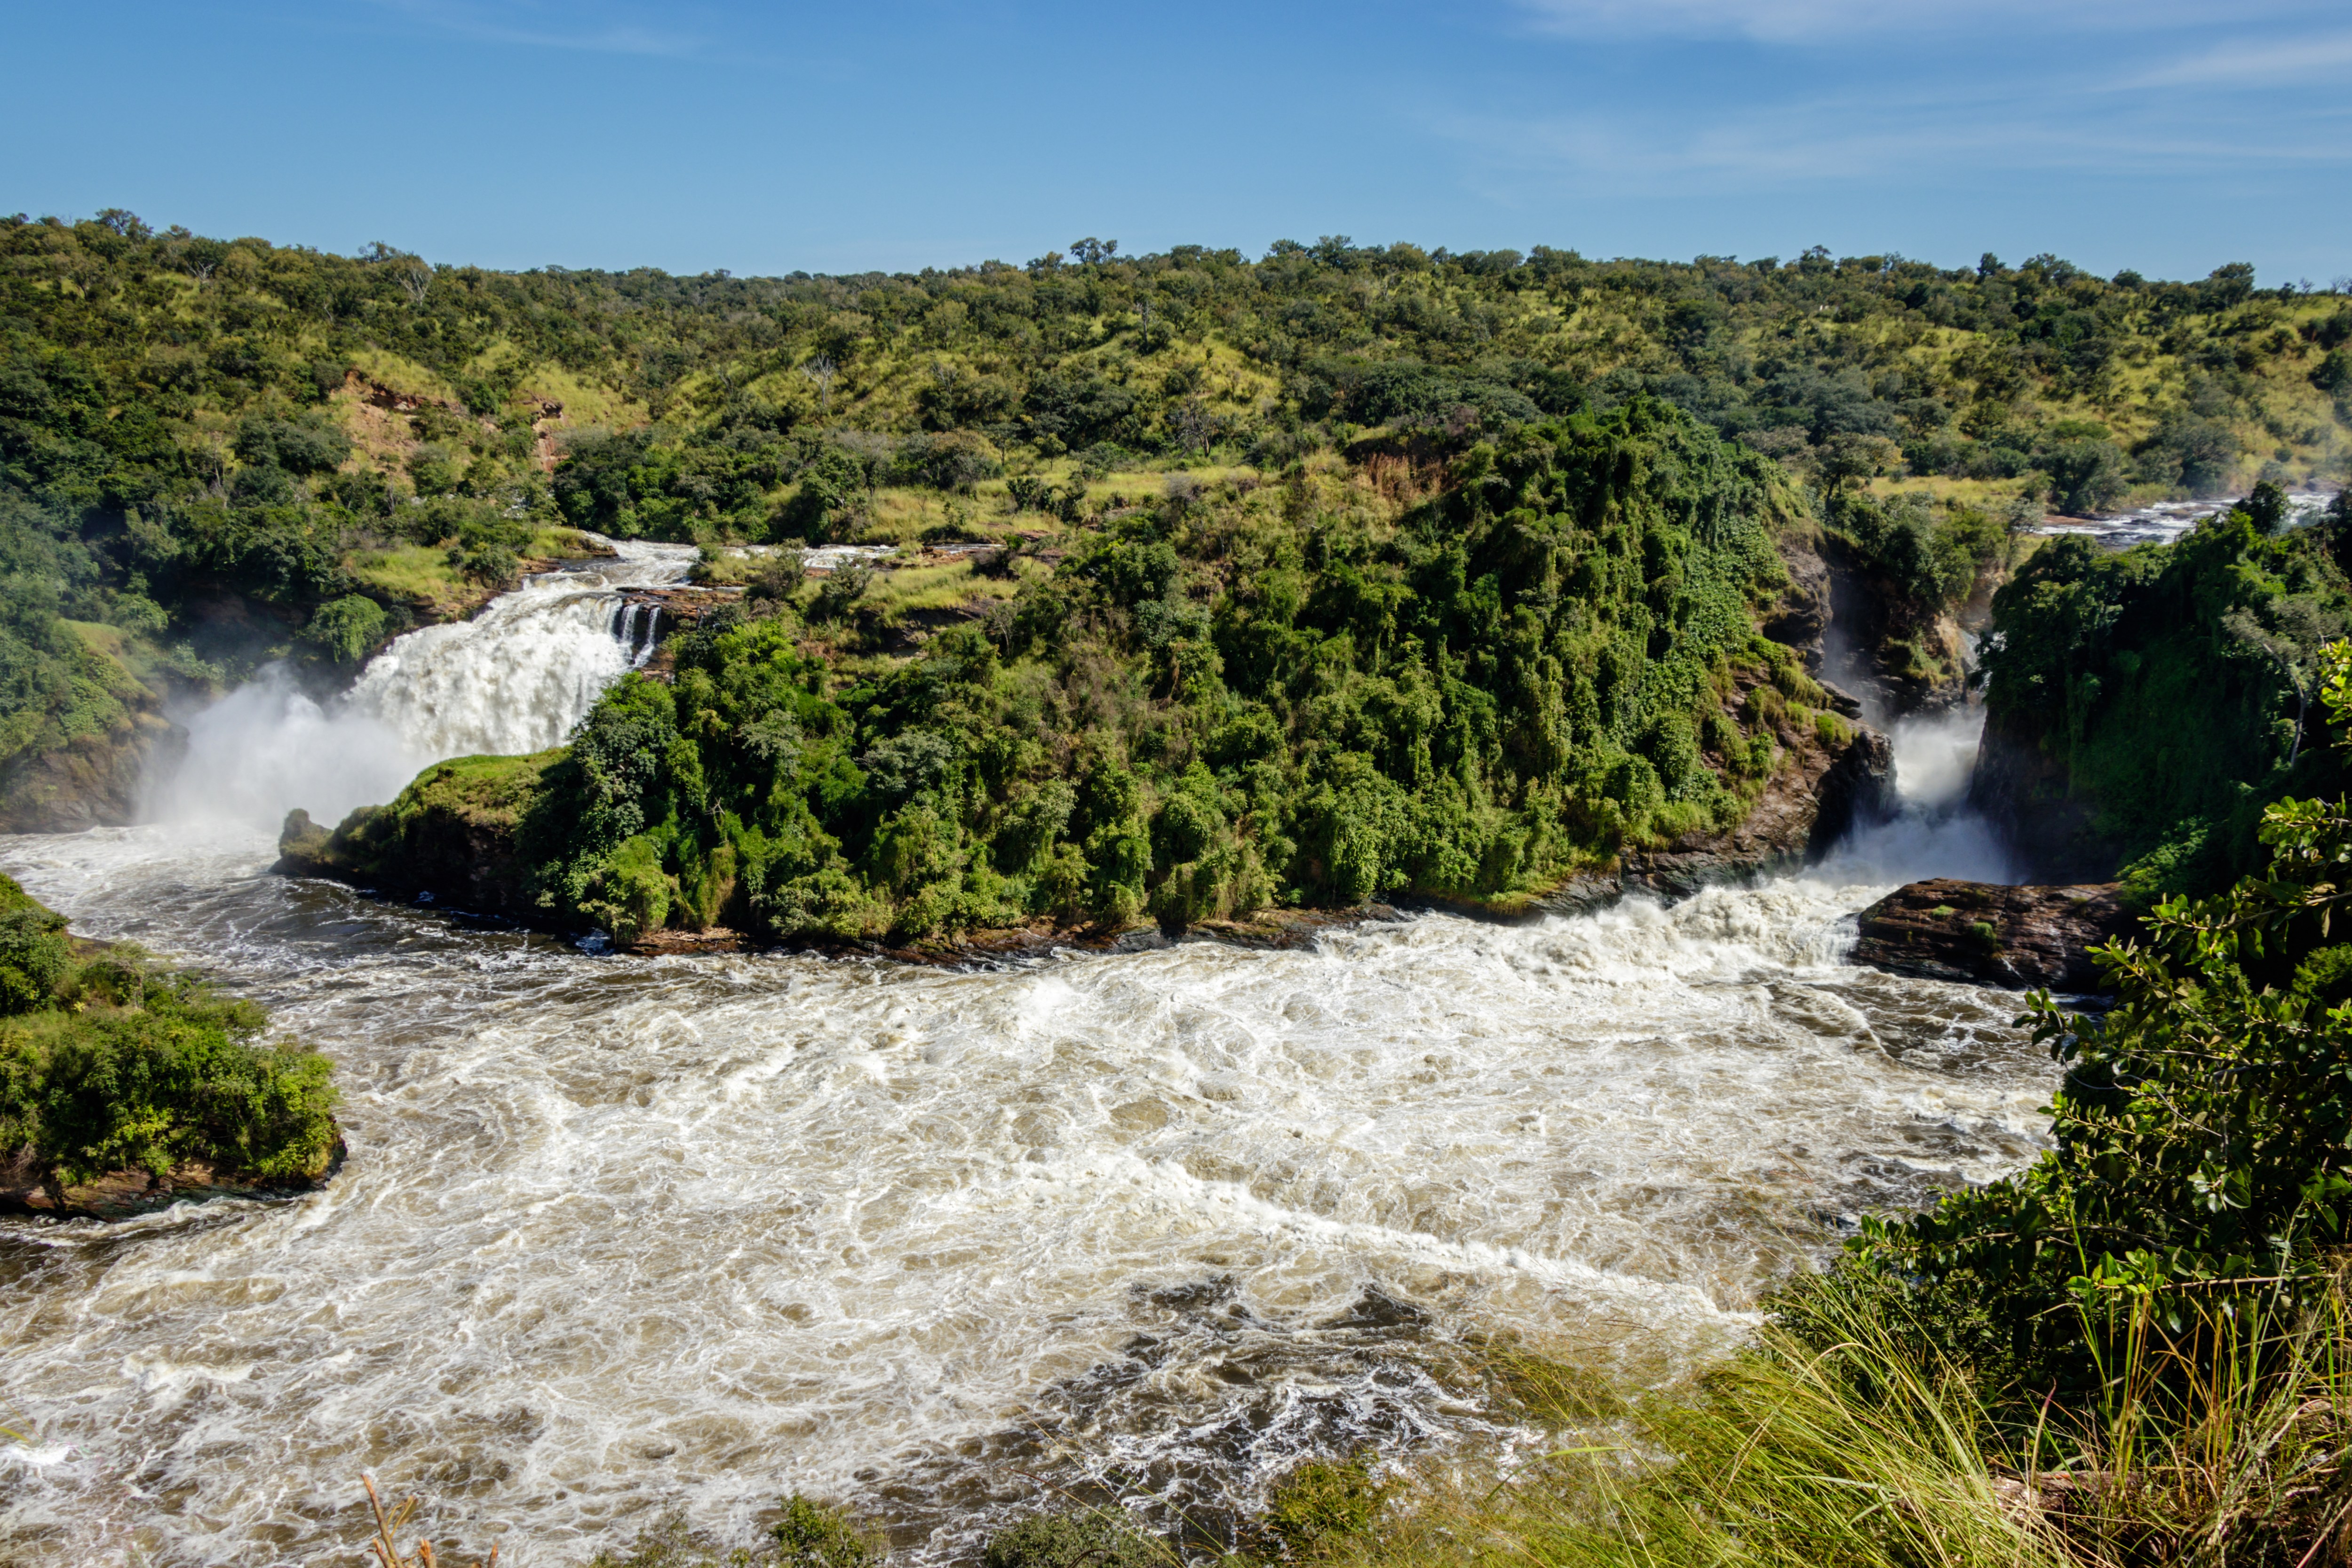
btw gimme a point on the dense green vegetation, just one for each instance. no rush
(108, 1063)
(2175, 686)
(214, 452)
(2203, 1132)
(1233, 698)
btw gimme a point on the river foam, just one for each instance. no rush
(620, 1236)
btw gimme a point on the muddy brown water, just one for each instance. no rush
(620, 1236)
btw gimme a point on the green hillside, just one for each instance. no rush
(214, 452)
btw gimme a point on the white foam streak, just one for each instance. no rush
(621, 1235)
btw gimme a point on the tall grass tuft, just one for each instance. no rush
(2219, 1441)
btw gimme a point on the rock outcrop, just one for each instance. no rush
(2023, 791)
(125, 1195)
(1799, 618)
(454, 835)
(91, 781)
(1988, 934)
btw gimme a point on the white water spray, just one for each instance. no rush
(621, 1236)
(1935, 832)
(514, 679)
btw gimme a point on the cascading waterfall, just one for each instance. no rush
(620, 1237)
(635, 627)
(513, 679)
(1934, 832)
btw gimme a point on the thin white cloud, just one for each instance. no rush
(544, 26)
(1870, 141)
(1832, 21)
(2255, 64)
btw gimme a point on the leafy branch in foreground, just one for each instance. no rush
(2203, 1132)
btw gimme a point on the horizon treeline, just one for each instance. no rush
(216, 452)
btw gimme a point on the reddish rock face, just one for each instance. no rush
(1988, 934)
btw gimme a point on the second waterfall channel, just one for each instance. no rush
(623, 1237)
(513, 679)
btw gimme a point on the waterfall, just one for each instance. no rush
(1935, 832)
(513, 679)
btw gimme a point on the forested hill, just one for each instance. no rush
(216, 452)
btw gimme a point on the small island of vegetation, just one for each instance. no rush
(125, 1086)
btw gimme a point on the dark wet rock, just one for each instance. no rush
(2022, 790)
(452, 837)
(1987, 933)
(1801, 618)
(1376, 1309)
(125, 1195)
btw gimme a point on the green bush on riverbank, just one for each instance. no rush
(108, 1064)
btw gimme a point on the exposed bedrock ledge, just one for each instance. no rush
(1985, 933)
(126, 1195)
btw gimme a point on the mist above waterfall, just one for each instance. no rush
(1935, 832)
(514, 679)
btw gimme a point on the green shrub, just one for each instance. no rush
(812, 1535)
(2200, 1151)
(106, 1064)
(344, 629)
(1075, 1540)
(1323, 1501)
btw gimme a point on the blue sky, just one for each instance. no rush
(896, 135)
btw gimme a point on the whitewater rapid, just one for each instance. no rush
(625, 1236)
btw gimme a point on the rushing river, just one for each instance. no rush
(622, 1236)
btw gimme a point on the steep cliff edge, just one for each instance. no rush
(2022, 787)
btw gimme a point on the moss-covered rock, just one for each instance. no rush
(455, 834)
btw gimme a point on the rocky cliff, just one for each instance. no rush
(453, 836)
(1985, 933)
(2025, 792)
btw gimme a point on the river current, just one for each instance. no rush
(620, 1237)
